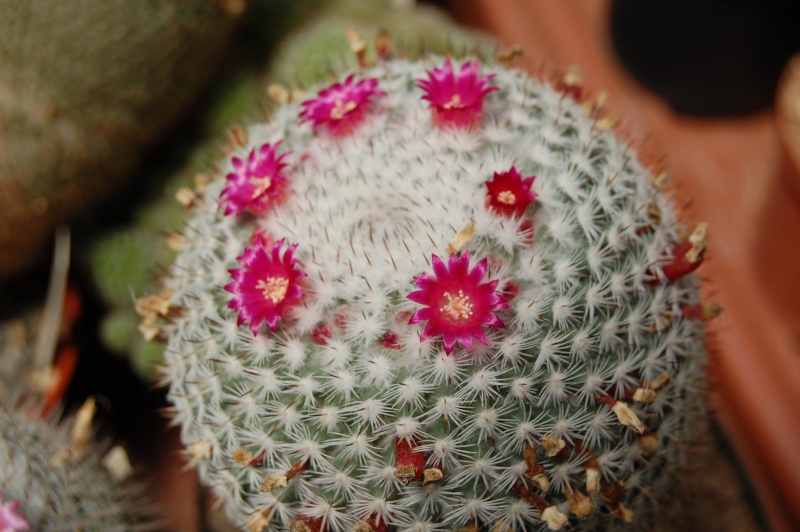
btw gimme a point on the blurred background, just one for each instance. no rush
(112, 113)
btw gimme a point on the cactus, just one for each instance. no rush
(52, 477)
(306, 54)
(86, 89)
(432, 297)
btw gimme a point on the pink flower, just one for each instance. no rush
(456, 101)
(256, 184)
(266, 286)
(10, 519)
(509, 194)
(457, 305)
(342, 106)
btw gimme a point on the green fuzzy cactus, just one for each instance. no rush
(85, 89)
(53, 478)
(380, 320)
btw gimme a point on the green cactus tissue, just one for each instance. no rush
(434, 295)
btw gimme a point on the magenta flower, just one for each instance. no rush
(509, 194)
(457, 305)
(342, 106)
(456, 101)
(10, 519)
(255, 184)
(266, 286)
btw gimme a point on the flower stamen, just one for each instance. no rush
(262, 184)
(459, 308)
(339, 111)
(274, 288)
(507, 197)
(454, 103)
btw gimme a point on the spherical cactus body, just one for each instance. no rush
(52, 477)
(431, 297)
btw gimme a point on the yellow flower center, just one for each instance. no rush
(507, 197)
(339, 110)
(262, 184)
(458, 308)
(455, 102)
(274, 288)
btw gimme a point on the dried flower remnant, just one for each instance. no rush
(266, 286)
(509, 193)
(456, 100)
(457, 304)
(257, 183)
(342, 106)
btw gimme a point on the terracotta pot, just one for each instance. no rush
(738, 176)
(778, 254)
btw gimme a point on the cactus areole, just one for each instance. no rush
(452, 316)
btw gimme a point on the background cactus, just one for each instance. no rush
(346, 410)
(54, 478)
(85, 90)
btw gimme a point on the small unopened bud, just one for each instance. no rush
(383, 44)
(579, 504)
(296, 95)
(510, 57)
(153, 306)
(406, 474)
(357, 46)
(176, 242)
(300, 526)
(555, 519)
(82, 429)
(242, 456)
(711, 311)
(270, 484)
(432, 474)
(186, 196)
(552, 445)
(541, 481)
(609, 122)
(258, 522)
(648, 442)
(597, 105)
(644, 395)
(661, 181)
(362, 526)
(601, 100)
(573, 77)
(624, 513)
(117, 463)
(201, 181)
(150, 331)
(237, 136)
(654, 213)
(278, 93)
(200, 450)
(462, 238)
(472, 526)
(698, 240)
(627, 417)
(661, 381)
(592, 480)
